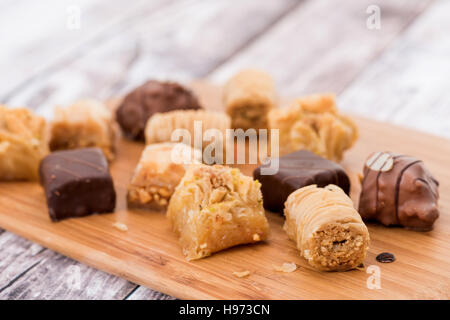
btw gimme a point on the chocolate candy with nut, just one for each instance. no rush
(398, 190)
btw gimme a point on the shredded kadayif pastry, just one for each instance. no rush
(314, 123)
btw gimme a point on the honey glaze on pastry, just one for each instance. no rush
(328, 231)
(214, 208)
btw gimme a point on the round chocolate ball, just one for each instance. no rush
(151, 97)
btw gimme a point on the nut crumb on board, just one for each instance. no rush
(241, 274)
(286, 267)
(120, 226)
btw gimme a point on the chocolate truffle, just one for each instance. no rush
(297, 170)
(398, 190)
(77, 183)
(148, 99)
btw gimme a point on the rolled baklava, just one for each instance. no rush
(248, 97)
(329, 232)
(205, 130)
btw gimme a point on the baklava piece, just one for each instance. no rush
(214, 208)
(206, 130)
(314, 123)
(161, 126)
(23, 143)
(248, 97)
(84, 124)
(329, 232)
(158, 172)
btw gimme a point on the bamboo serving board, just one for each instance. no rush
(149, 254)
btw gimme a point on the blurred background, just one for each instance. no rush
(386, 60)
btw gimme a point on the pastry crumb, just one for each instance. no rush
(256, 237)
(286, 267)
(120, 226)
(241, 274)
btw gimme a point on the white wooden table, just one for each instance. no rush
(55, 51)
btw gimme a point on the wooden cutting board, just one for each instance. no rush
(149, 254)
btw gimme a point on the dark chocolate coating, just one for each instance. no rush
(405, 195)
(77, 183)
(297, 170)
(148, 99)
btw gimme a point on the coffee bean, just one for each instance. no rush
(385, 257)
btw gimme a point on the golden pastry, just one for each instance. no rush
(314, 123)
(191, 127)
(84, 124)
(23, 143)
(329, 232)
(214, 208)
(248, 97)
(158, 172)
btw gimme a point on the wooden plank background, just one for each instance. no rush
(398, 74)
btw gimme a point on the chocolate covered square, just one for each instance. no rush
(77, 183)
(297, 170)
